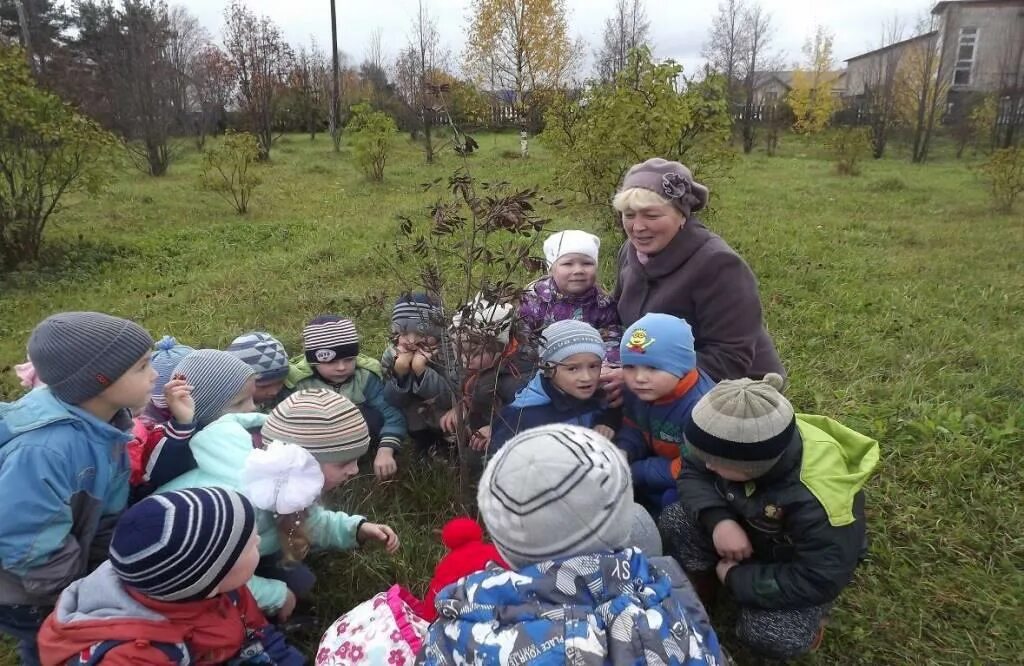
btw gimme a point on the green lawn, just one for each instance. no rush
(896, 300)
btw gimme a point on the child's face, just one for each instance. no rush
(338, 371)
(728, 473)
(649, 384)
(243, 402)
(244, 567)
(578, 375)
(336, 474)
(574, 273)
(267, 391)
(411, 341)
(132, 389)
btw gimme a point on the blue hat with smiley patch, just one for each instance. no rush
(659, 341)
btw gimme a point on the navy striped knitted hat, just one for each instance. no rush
(216, 377)
(179, 545)
(329, 338)
(417, 313)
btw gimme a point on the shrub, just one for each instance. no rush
(889, 184)
(372, 137)
(1004, 170)
(848, 146)
(228, 169)
(640, 115)
(46, 152)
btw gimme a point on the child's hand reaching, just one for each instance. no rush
(382, 533)
(384, 465)
(179, 398)
(731, 541)
(605, 431)
(723, 567)
(480, 439)
(450, 421)
(288, 608)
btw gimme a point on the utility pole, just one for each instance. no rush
(26, 35)
(335, 101)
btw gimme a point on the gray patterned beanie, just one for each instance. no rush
(555, 492)
(569, 337)
(264, 353)
(79, 354)
(669, 180)
(216, 378)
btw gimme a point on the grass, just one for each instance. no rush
(895, 299)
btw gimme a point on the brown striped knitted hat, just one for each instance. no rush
(324, 423)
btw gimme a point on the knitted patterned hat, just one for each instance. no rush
(166, 356)
(659, 341)
(556, 491)
(329, 338)
(485, 320)
(564, 338)
(79, 354)
(742, 424)
(264, 353)
(571, 242)
(670, 180)
(179, 545)
(324, 423)
(417, 313)
(282, 478)
(216, 377)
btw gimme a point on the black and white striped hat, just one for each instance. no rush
(179, 545)
(554, 492)
(330, 338)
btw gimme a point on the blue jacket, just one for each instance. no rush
(589, 610)
(63, 484)
(652, 436)
(541, 403)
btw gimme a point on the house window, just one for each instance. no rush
(965, 56)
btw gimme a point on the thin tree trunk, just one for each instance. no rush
(335, 93)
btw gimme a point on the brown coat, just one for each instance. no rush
(699, 278)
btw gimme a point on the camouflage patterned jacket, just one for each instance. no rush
(588, 610)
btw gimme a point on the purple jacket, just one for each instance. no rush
(542, 304)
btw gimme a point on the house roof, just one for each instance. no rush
(941, 6)
(927, 35)
(785, 77)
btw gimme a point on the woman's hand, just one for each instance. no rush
(611, 382)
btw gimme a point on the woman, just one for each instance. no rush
(672, 264)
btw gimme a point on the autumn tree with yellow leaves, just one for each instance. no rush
(811, 95)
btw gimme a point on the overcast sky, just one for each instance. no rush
(679, 28)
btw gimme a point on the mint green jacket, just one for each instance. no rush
(220, 450)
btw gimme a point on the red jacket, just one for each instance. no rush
(99, 608)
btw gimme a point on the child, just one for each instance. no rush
(167, 354)
(570, 290)
(496, 367)
(208, 384)
(418, 371)
(268, 359)
(660, 370)
(558, 502)
(63, 469)
(774, 505)
(331, 428)
(172, 592)
(332, 361)
(564, 390)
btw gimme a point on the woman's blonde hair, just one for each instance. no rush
(637, 198)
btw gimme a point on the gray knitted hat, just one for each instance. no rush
(671, 180)
(79, 354)
(216, 377)
(554, 492)
(564, 338)
(264, 353)
(742, 424)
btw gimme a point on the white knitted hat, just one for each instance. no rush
(571, 242)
